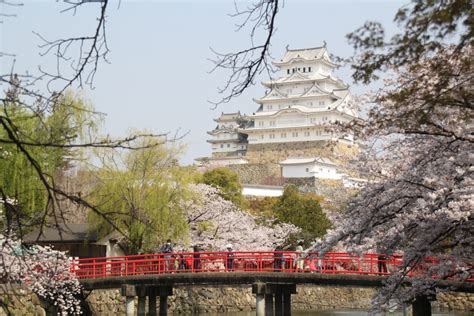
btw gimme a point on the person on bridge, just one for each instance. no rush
(278, 258)
(196, 258)
(382, 262)
(229, 258)
(167, 249)
(300, 255)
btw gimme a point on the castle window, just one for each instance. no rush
(269, 107)
(321, 102)
(260, 123)
(294, 70)
(304, 69)
(262, 136)
(222, 145)
(294, 134)
(272, 136)
(288, 71)
(272, 123)
(283, 135)
(307, 169)
(306, 134)
(228, 145)
(309, 69)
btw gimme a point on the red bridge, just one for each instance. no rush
(261, 261)
(273, 275)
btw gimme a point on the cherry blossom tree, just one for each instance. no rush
(215, 222)
(419, 135)
(420, 200)
(44, 271)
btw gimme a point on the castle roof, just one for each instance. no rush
(292, 108)
(298, 77)
(303, 160)
(62, 233)
(223, 130)
(229, 117)
(314, 91)
(305, 54)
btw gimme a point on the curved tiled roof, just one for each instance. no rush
(305, 54)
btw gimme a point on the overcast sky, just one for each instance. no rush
(158, 76)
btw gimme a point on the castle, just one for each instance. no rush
(292, 124)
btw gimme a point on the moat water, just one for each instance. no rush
(334, 313)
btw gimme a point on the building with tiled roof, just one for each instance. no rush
(317, 167)
(226, 140)
(302, 103)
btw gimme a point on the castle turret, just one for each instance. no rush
(226, 140)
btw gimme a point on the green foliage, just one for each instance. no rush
(262, 206)
(140, 193)
(302, 211)
(226, 181)
(204, 227)
(26, 138)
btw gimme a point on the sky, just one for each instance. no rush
(157, 78)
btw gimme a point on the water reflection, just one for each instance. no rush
(332, 313)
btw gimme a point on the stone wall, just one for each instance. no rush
(309, 298)
(256, 173)
(217, 300)
(22, 302)
(321, 298)
(455, 301)
(190, 300)
(274, 153)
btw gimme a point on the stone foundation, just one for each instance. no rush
(274, 153)
(309, 298)
(217, 300)
(256, 173)
(454, 301)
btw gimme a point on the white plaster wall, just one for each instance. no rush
(315, 134)
(308, 170)
(325, 172)
(272, 192)
(226, 135)
(297, 118)
(297, 171)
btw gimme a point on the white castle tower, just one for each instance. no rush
(226, 140)
(293, 119)
(302, 103)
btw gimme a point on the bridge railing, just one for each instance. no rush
(263, 261)
(250, 261)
